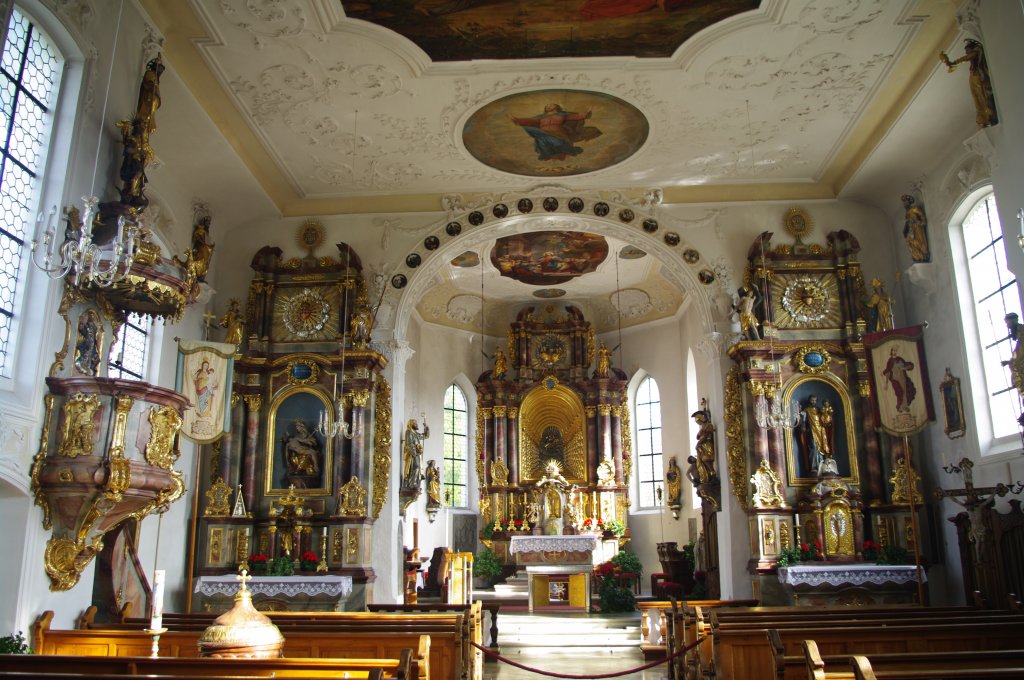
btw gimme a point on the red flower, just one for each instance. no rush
(258, 557)
(587, 523)
(605, 569)
(805, 547)
(309, 556)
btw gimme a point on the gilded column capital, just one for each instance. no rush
(604, 409)
(616, 411)
(864, 389)
(513, 412)
(591, 411)
(487, 412)
(235, 399)
(500, 411)
(360, 397)
(253, 402)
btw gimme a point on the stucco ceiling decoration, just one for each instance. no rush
(781, 101)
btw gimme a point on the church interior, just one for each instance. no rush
(563, 307)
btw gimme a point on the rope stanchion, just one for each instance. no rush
(568, 676)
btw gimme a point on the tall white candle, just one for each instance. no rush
(156, 617)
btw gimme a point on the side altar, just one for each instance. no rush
(850, 584)
(318, 593)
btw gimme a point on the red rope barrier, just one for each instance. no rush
(616, 674)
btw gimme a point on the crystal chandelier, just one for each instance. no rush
(92, 264)
(771, 411)
(339, 428)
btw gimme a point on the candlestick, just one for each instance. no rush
(156, 615)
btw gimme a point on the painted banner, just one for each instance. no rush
(204, 375)
(899, 380)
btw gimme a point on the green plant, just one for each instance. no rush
(488, 531)
(628, 562)
(689, 560)
(14, 644)
(788, 557)
(893, 554)
(616, 527)
(282, 566)
(616, 598)
(486, 565)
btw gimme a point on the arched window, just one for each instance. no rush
(30, 73)
(127, 357)
(993, 295)
(649, 465)
(456, 447)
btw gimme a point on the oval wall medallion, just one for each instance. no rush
(555, 133)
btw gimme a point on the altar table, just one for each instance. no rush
(276, 593)
(850, 584)
(551, 556)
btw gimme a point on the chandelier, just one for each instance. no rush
(102, 265)
(340, 428)
(771, 411)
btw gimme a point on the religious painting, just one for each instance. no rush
(297, 454)
(463, 30)
(88, 343)
(825, 429)
(899, 380)
(204, 375)
(544, 258)
(555, 133)
(952, 406)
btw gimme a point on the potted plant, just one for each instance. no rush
(258, 564)
(308, 561)
(14, 644)
(615, 527)
(486, 568)
(282, 566)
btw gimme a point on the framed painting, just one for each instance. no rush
(296, 453)
(953, 406)
(824, 430)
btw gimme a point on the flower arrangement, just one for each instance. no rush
(258, 563)
(518, 525)
(870, 551)
(807, 552)
(282, 566)
(309, 560)
(592, 524)
(488, 531)
(616, 527)
(893, 554)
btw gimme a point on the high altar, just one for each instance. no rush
(824, 476)
(305, 468)
(553, 432)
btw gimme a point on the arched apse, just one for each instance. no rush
(470, 230)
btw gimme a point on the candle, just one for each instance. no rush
(157, 615)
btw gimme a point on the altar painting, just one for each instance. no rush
(545, 258)
(296, 453)
(825, 429)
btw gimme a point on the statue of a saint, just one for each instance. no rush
(747, 318)
(815, 433)
(705, 443)
(604, 361)
(302, 450)
(412, 452)
(915, 230)
(551, 445)
(500, 365)
(980, 81)
(673, 483)
(361, 323)
(879, 308)
(1016, 361)
(234, 322)
(433, 477)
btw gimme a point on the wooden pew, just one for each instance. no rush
(653, 645)
(837, 666)
(45, 666)
(862, 670)
(681, 632)
(429, 662)
(475, 623)
(746, 652)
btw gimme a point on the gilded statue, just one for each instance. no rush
(234, 322)
(747, 318)
(915, 230)
(433, 477)
(979, 79)
(197, 259)
(1016, 361)
(412, 453)
(674, 484)
(815, 433)
(705, 443)
(352, 499)
(135, 137)
(604, 361)
(879, 305)
(361, 323)
(500, 365)
(302, 450)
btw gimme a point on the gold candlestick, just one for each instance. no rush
(321, 568)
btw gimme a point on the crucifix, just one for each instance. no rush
(975, 500)
(208, 320)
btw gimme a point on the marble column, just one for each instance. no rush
(592, 452)
(253, 404)
(513, 445)
(358, 458)
(616, 418)
(604, 412)
(500, 414)
(488, 418)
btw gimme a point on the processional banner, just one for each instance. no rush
(204, 375)
(900, 389)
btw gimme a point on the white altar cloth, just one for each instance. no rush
(277, 586)
(849, 574)
(577, 543)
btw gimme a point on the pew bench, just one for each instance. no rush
(862, 671)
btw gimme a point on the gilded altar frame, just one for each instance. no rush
(557, 406)
(845, 441)
(290, 403)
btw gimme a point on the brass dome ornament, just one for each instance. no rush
(241, 632)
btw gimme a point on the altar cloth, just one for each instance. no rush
(577, 543)
(849, 574)
(277, 586)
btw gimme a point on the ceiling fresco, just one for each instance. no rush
(462, 30)
(545, 258)
(555, 133)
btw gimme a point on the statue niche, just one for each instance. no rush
(552, 428)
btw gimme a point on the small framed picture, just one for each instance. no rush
(952, 406)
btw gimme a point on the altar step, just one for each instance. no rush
(514, 586)
(543, 629)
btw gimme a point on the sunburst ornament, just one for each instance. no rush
(797, 223)
(305, 314)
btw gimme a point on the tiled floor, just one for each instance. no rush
(575, 662)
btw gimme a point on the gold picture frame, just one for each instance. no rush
(823, 387)
(952, 406)
(298, 463)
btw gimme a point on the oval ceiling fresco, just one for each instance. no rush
(555, 133)
(545, 258)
